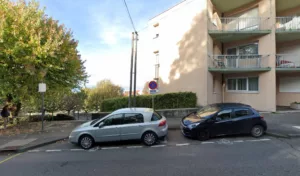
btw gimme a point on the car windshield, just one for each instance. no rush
(94, 121)
(207, 111)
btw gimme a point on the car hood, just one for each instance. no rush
(191, 118)
(86, 124)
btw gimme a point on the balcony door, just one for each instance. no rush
(245, 56)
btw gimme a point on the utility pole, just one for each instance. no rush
(135, 71)
(131, 64)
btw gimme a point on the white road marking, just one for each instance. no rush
(94, 149)
(135, 146)
(238, 141)
(74, 150)
(298, 127)
(56, 150)
(184, 144)
(158, 146)
(257, 140)
(207, 142)
(33, 151)
(108, 148)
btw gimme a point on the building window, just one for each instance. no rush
(249, 84)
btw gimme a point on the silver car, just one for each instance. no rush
(123, 124)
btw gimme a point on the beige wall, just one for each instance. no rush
(266, 98)
(183, 49)
(285, 98)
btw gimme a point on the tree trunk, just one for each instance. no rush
(68, 112)
(52, 115)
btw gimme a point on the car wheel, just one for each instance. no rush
(257, 131)
(86, 142)
(149, 138)
(203, 135)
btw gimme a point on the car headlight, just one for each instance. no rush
(193, 125)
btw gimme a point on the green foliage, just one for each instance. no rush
(34, 48)
(105, 89)
(162, 101)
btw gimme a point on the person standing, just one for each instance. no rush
(5, 115)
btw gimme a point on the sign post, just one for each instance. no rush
(42, 89)
(153, 90)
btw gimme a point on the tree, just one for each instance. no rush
(35, 48)
(73, 101)
(146, 88)
(104, 89)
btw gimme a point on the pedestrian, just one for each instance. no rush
(5, 115)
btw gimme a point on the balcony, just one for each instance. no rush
(287, 62)
(238, 28)
(238, 63)
(287, 28)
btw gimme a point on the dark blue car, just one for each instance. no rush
(223, 119)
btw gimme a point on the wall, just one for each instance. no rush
(182, 49)
(266, 98)
(285, 98)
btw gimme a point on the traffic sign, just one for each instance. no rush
(153, 91)
(152, 85)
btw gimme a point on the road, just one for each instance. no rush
(230, 156)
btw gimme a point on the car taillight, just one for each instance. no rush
(261, 117)
(162, 123)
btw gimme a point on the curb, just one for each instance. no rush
(39, 145)
(24, 149)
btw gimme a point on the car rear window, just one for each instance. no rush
(156, 116)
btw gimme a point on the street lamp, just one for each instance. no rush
(42, 89)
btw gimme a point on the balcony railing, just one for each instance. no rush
(235, 24)
(238, 61)
(287, 61)
(286, 24)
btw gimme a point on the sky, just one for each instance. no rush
(103, 30)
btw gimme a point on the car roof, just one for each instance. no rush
(134, 110)
(229, 105)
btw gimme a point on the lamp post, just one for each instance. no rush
(42, 90)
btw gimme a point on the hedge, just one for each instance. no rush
(161, 101)
(47, 117)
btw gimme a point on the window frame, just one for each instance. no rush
(247, 85)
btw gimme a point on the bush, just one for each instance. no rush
(161, 101)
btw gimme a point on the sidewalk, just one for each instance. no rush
(285, 125)
(53, 132)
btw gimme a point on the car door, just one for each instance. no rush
(222, 124)
(132, 126)
(110, 130)
(241, 120)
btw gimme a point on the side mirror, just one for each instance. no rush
(101, 124)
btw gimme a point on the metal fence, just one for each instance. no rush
(287, 61)
(288, 23)
(238, 61)
(239, 24)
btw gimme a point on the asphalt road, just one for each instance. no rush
(230, 156)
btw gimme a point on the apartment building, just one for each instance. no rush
(230, 51)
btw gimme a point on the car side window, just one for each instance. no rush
(116, 119)
(242, 112)
(133, 118)
(155, 116)
(224, 115)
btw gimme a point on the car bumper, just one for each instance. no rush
(163, 132)
(186, 131)
(73, 139)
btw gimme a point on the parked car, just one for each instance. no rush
(223, 119)
(123, 124)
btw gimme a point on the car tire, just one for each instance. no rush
(257, 131)
(86, 142)
(149, 138)
(203, 135)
